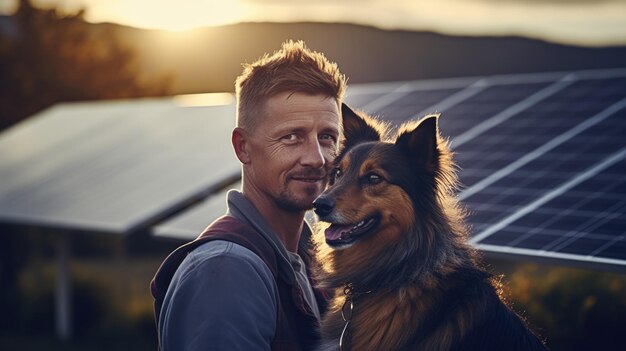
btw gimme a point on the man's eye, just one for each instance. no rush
(290, 137)
(329, 137)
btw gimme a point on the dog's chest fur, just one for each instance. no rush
(380, 321)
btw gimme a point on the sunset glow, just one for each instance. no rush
(583, 22)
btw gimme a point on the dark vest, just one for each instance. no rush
(296, 327)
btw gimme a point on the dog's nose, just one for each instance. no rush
(323, 205)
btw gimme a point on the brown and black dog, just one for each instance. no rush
(395, 250)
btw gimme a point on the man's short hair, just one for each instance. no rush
(293, 68)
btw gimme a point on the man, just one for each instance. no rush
(244, 284)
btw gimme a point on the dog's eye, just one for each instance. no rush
(374, 178)
(335, 173)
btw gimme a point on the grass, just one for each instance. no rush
(573, 309)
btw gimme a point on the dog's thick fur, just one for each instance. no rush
(397, 237)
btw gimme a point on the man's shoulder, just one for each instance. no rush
(222, 249)
(219, 281)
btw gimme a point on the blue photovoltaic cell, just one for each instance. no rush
(411, 104)
(551, 169)
(467, 114)
(511, 140)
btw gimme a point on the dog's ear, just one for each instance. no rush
(421, 142)
(356, 128)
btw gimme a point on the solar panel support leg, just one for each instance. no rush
(63, 289)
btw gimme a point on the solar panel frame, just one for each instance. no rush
(189, 224)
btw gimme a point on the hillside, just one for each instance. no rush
(209, 59)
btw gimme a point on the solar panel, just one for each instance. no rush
(114, 166)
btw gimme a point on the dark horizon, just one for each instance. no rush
(209, 59)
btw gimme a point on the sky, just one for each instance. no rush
(581, 22)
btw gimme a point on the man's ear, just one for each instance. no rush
(356, 129)
(241, 145)
(421, 143)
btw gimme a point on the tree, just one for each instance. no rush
(48, 57)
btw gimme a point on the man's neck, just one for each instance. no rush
(286, 225)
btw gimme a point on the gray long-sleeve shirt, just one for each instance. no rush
(223, 296)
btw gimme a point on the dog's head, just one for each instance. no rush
(387, 197)
(375, 185)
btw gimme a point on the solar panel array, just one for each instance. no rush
(542, 157)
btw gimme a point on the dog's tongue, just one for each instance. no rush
(334, 232)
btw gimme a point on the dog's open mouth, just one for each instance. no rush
(345, 234)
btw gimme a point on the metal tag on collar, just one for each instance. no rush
(346, 314)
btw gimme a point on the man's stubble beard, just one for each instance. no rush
(288, 202)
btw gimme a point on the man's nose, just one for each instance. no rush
(313, 155)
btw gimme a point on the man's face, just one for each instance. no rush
(291, 149)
